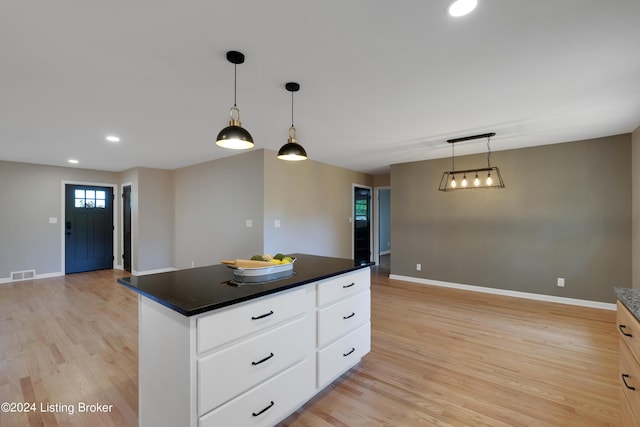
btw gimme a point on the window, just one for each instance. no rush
(90, 199)
(362, 209)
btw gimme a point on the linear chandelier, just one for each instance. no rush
(488, 177)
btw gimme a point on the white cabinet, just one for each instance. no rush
(267, 403)
(336, 358)
(344, 328)
(248, 363)
(252, 363)
(240, 320)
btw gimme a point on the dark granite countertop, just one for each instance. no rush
(631, 299)
(198, 290)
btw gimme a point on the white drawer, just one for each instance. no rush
(268, 403)
(336, 358)
(344, 316)
(234, 370)
(242, 319)
(342, 286)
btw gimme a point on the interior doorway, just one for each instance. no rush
(361, 224)
(382, 225)
(88, 228)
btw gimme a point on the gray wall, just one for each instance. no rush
(29, 196)
(213, 200)
(313, 202)
(566, 212)
(384, 220)
(635, 185)
(155, 225)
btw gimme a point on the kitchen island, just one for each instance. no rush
(215, 351)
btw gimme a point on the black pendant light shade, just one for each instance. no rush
(292, 151)
(234, 136)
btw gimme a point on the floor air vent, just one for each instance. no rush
(17, 276)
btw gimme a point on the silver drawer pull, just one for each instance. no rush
(263, 360)
(624, 380)
(262, 316)
(349, 316)
(255, 414)
(349, 352)
(626, 334)
(349, 285)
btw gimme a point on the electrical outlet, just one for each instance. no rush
(561, 282)
(276, 223)
(249, 223)
(418, 267)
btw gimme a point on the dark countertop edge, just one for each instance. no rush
(238, 300)
(630, 298)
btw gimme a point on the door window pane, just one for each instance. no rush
(90, 199)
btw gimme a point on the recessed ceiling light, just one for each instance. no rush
(113, 138)
(462, 7)
(73, 161)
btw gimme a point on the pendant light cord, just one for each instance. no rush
(292, 109)
(489, 152)
(235, 83)
(453, 168)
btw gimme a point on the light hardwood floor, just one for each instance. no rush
(440, 357)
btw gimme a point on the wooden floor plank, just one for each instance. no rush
(446, 357)
(440, 357)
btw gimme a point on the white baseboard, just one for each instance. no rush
(505, 292)
(146, 272)
(4, 280)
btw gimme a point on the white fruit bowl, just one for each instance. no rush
(261, 271)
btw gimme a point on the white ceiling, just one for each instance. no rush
(382, 82)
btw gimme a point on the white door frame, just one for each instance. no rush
(376, 223)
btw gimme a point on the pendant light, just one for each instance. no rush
(234, 136)
(292, 151)
(448, 181)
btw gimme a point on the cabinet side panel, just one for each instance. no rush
(164, 366)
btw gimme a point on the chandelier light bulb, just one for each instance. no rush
(476, 181)
(464, 180)
(489, 180)
(454, 184)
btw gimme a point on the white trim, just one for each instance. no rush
(376, 224)
(159, 270)
(505, 292)
(7, 280)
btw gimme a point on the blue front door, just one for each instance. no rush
(88, 228)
